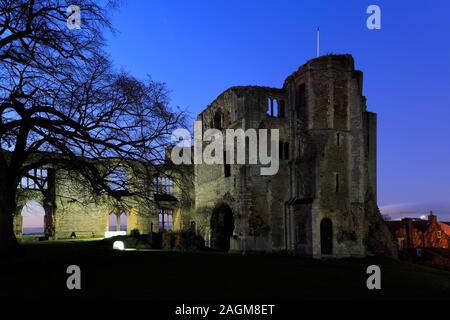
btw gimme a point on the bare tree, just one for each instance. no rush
(63, 106)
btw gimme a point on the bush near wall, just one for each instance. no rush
(182, 241)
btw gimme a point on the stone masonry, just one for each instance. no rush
(322, 201)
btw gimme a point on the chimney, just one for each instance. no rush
(432, 218)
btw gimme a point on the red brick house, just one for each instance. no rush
(416, 233)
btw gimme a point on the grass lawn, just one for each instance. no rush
(38, 271)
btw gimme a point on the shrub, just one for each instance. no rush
(135, 234)
(183, 241)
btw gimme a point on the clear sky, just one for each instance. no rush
(202, 47)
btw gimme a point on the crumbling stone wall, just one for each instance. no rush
(75, 210)
(329, 172)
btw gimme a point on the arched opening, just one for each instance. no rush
(123, 221)
(326, 236)
(33, 218)
(269, 110)
(275, 111)
(112, 222)
(222, 226)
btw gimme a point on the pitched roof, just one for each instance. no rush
(445, 227)
(421, 225)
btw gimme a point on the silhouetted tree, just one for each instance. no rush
(63, 106)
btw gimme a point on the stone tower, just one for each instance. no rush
(322, 201)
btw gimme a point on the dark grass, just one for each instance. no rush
(38, 271)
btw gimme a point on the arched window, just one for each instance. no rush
(269, 110)
(165, 219)
(112, 221)
(123, 222)
(275, 108)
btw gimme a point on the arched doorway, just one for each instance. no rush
(222, 226)
(326, 236)
(33, 218)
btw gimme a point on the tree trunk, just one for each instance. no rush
(49, 223)
(8, 241)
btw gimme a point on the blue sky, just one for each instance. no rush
(200, 48)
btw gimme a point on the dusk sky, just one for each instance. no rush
(200, 48)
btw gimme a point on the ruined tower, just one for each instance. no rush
(322, 201)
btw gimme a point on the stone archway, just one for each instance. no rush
(33, 222)
(222, 226)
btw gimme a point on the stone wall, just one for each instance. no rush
(322, 201)
(330, 171)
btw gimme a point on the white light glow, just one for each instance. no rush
(118, 245)
(423, 217)
(110, 234)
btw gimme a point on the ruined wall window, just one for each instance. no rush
(165, 219)
(338, 139)
(35, 179)
(286, 151)
(275, 108)
(226, 166)
(282, 109)
(163, 185)
(218, 120)
(269, 111)
(337, 182)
